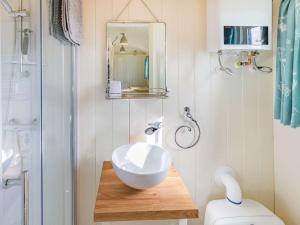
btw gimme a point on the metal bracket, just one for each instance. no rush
(22, 13)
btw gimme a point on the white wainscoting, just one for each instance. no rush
(235, 113)
(287, 165)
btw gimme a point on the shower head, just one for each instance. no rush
(6, 6)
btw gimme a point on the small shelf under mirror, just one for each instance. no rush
(137, 96)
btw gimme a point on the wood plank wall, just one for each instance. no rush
(235, 113)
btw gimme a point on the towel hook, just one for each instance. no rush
(188, 114)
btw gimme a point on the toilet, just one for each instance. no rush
(234, 210)
(249, 212)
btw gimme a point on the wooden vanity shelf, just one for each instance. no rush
(118, 202)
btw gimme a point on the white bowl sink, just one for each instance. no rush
(6, 159)
(141, 165)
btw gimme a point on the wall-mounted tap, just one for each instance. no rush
(154, 129)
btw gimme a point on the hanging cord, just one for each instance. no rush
(221, 66)
(264, 69)
(188, 115)
(146, 6)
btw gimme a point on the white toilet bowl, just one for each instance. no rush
(222, 212)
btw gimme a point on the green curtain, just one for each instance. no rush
(287, 93)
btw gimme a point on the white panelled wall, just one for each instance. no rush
(235, 113)
(287, 165)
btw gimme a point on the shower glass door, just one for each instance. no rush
(20, 176)
(36, 154)
(57, 130)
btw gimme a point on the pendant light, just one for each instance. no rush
(123, 40)
(122, 49)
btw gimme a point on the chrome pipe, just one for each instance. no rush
(26, 197)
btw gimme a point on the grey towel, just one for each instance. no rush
(72, 20)
(55, 19)
(65, 20)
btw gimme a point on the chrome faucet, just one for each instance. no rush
(153, 129)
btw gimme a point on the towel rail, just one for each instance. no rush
(26, 197)
(12, 182)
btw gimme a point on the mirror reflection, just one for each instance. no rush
(136, 59)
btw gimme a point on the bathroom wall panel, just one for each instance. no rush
(104, 109)
(138, 12)
(286, 164)
(143, 112)
(185, 84)
(266, 146)
(87, 115)
(216, 99)
(235, 123)
(121, 126)
(250, 151)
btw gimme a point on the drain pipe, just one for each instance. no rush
(225, 176)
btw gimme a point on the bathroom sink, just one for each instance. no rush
(6, 158)
(141, 165)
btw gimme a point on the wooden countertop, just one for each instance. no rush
(118, 202)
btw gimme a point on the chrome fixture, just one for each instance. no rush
(25, 41)
(22, 13)
(154, 127)
(221, 66)
(245, 58)
(264, 69)
(26, 197)
(188, 115)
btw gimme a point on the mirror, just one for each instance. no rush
(136, 61)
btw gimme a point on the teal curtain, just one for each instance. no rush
(287, 90)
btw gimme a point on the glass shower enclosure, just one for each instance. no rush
(36, 116)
